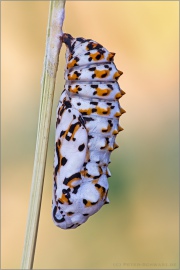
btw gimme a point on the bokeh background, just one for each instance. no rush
(139, 228)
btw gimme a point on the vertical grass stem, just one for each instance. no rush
(53, 46)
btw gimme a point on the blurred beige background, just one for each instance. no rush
(139, 228)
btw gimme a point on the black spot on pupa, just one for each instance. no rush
(68, 138)
(85, 201)
(63, 161)
(94, 102)
(92, 46)
(96, 177)
(62, 133)
(77, 73)
(84, 113)
(92, 69)
(101, 51)
(94, 85)
(110, 122)
(104, 75)
(98, 56)
(110, 86)
(76, 189)
(88, 119)
(67, 104)
(97, 185)
(81, 147)
(76, 58)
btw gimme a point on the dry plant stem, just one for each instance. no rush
(53, 45)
